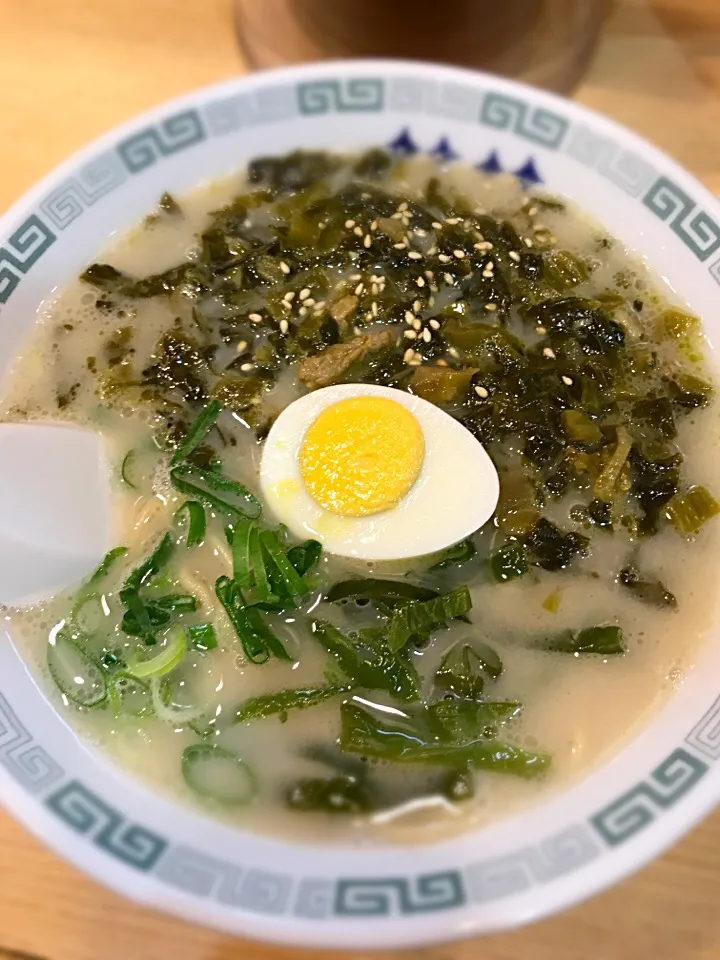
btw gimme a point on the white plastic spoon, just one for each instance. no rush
(54, 508)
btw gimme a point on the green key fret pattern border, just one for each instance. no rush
(100, 822)
(239, 887)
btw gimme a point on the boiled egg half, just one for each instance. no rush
(376, 473)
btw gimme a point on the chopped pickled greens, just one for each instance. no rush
(690, 511)
(267, 705)
(464, 669)
(417, 619)
(377, 737)
(607, 641)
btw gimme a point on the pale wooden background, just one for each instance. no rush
(71, 69)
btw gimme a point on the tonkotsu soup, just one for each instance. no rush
(275, 643)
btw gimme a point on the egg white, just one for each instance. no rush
(455, 493)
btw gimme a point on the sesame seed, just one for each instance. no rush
(410, 317)
(417, 306)
(290, 295)
(304, 293)
(414, 255)
(358, 231)
(453, 352)
(532, 211)
(415, 362)
(302, 311)
(491, 306)
(284, 267)
(420, 282)
(426, 335)
(419, 232)
(374, 308)
(432, 251)
(402, 207)
(410, 334)
(255, 317)
(349, 224)
(242, 346)
(319, 305)
(442, 363)
(309, 302)
(444, 258)
(452, 221)
(359, 289)
(399, 246)
(396, 216)
(482, 392)
(247, 366)
(429, 274)
(435, 324)
(567, 381)
(490, 265)
(437, 225)
(514, 256)
(528, 242)
(285, 304)
(367, 241)
(408, 355)
(431, 300)
(541, 331)
(374, 225)
(434, 289)
(460, 254)
(357, 331)
(355, 277)
(284, 326)
(549, 353)
(488, 274)
(417, 323)
(449, 278)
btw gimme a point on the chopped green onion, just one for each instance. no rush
(107, 562)
(689, 511)
(197, 431)
(196, 522)
(304, 556)
(262, 584)
(193, 481)
(260, 707)
(153, 564)
(177, 603)
(202, 636)
(163, 662)
(129, 695)
(214, 772)
(229, 596)
(125, 467)
(137, 620)
(77, 675)
(240, 543)
(291, 581)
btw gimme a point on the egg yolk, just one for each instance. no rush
(361, 456)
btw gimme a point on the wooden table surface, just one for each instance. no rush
(71, 69)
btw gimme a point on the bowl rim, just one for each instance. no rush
(387, 932)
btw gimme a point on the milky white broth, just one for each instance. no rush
(578, 709)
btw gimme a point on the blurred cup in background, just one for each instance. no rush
(548, 43)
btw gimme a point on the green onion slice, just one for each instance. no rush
(163, 662)
(211, 771)
(194, 513)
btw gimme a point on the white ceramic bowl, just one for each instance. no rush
(169, 857)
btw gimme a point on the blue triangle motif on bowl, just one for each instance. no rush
(404, 143)
(491, 163)
(444, 151)
(529, 172)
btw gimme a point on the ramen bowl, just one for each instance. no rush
(651, 790)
